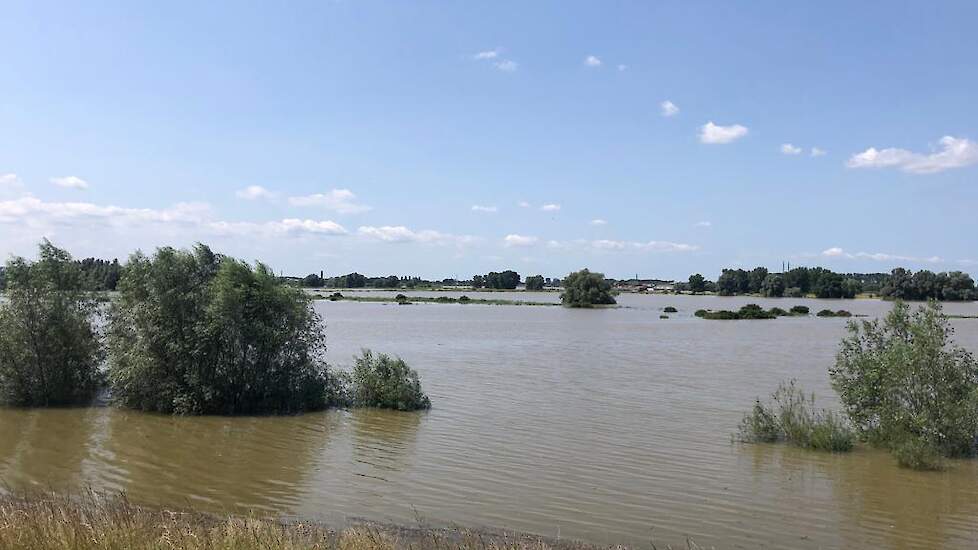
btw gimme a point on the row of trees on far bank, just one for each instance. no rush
(191, 332)
(505, 280)
(93, 274)
(824, 283)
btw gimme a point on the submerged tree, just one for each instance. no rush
(586, 289)
(386, 382)
(49, 349)
(199, 333)
(907, 387)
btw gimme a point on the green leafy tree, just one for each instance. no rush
(49, 349)
(755, 279)
(534, 282)
(773, 286)
(586, 289)
(697, 283)
(906, 386)
(199, 333)
(387, 382)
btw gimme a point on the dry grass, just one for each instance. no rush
(93, 522)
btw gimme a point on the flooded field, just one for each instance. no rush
(603, 425)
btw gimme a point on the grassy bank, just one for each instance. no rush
(91, 522)
(403, 299)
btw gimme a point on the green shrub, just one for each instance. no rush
(586, 289)
(336, 296)
(905, 385)
(917, 454)
(843, 313)
(778, 312)
(199, 333)
(791, 417)
(49, 350)
(464, 299)
(800, 310)
(401, 298)
(670, 309)
(825, 313)
(793, 292)
(663, 316)
(700, 313)
(386, 382)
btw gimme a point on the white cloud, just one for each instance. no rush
(668, 108)
(10, 186)
(488, 209)
(506, 65)
(254, 192)
(342, 201)
(647, 246)
(703, 224)
(598, 221)
(816, 152)
(550, 207)
(523, 204)
(789, 149)
(9, 179)
(488, 54)
(837, 252)
(712, 133)
(401, 234)
(35, 210)
(622, 68)
(288, 226)
(519, 240)
(592, 61)
(954, 153)
(70, 182)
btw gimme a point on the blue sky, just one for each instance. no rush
(361, 135)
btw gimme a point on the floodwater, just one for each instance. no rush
(607, 425)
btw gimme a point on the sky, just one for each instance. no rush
(444, 139)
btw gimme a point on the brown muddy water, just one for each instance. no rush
(604, 425)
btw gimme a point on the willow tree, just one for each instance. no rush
(49, 348)
(586, 289)
(193, 332)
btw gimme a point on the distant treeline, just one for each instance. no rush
(505, 280)
(95, 274)
(824, 283)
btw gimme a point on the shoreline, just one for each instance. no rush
(94, 520)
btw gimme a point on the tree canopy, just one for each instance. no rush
(586, 289)
(193, 332)
(49, 349)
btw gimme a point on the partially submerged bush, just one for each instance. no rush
(799, 310)
(670, 309)
(586, 289)
(49, 349)
(907, 387)
(199, 333)
(825, 313)
(386, 382)
(791, 417)
(701, 313)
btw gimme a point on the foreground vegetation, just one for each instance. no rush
(49, 348)
(905, 386)
(791, 416)
(191, 332)
(51, 522)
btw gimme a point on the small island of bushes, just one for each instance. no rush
(191, 332)
(904, 384)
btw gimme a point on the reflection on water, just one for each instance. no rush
(598, 425)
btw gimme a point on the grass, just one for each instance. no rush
(403, 299)
(791, 417)
(96, 522)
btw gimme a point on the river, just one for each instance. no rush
(608, 425)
